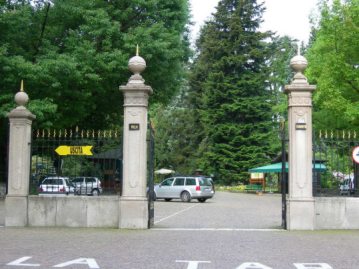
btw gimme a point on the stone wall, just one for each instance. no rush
(336, 213)
(73, 211)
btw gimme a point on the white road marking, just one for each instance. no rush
(218, 229)
(179, 212)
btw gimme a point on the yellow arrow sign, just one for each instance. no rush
(74, 150)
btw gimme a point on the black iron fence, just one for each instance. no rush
(83, 161)
(336, 163)
(4, 141)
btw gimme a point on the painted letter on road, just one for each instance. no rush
(253, 265)
(312, 266)
(18, 262)
(90, 262)
(193, 264)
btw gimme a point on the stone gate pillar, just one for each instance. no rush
(300, 203)
(19, 162)
(133, 203)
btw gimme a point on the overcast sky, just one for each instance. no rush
(286, 17)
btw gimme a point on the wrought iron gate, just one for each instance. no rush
(73, 153)
(335, 171)
(151, 153)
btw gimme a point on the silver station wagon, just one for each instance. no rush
(185, 188)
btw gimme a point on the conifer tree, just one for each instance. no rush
(230, 85)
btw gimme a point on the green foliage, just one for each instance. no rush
(177, 136)
(334, 66)
(73, 55)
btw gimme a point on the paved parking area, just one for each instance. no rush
(224, 211)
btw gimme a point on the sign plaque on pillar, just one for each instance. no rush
(134, 127)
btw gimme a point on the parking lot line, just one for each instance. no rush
(174, 214)
(219, 229)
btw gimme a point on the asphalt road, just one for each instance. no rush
(225, 211)
(232, 231)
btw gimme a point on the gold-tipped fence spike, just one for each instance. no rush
(355, 135)
(326, 134)
(116, 133)
(54, 134)
(93, 133)
(87, 133)
(37, 133)
(65, 134)
(60, 133)
(98, 134)
(70, 132)
(343, 134)
(104, 134)
(76, 129)
(82, 133)
(48, 133)
(349, 134)
(320, 133)
(110, 134)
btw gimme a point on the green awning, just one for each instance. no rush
(277, 168)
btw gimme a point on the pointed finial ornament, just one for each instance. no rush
(298, 62)
(137, 64)
(22, 85)
(21, 97)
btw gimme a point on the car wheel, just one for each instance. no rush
(95, 192)
(202, 200)
(185, 196)
(168, 199)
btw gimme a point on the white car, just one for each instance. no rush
(56, 185)
(346, 187)
(87, 186)
(185, 188)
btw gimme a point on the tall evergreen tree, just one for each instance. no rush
(230, 81)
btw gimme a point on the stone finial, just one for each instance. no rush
(21, 97)
(299, 63)
(137, 64)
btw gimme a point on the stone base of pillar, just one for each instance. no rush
(133, 213)
(300, 214)
(16, 211)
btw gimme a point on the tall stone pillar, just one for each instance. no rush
(300, 203)
(133, 203)
(19, 162)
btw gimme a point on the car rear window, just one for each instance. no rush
(205, 182)
(90, 180)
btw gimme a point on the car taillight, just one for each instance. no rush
(62, 189)
(40, 189)
(99, 184)
(198, 188)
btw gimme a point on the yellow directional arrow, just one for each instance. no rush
(74, 150)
